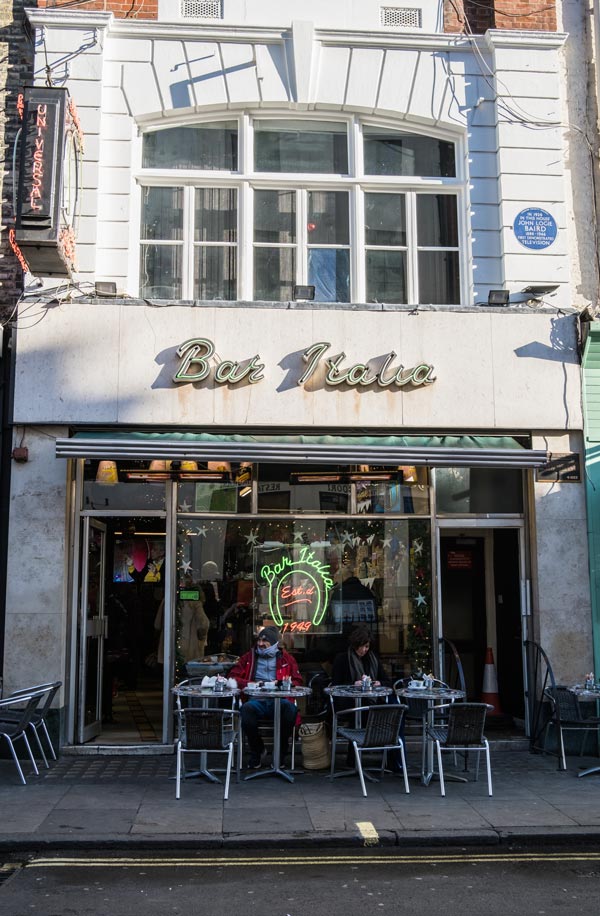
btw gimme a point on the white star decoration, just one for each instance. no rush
(299, 536)
(185, 506)
(421, 600)
(252, 539)
(387, 542)
(346, 537)
(186, 566)
(201, 532)
(418, 547)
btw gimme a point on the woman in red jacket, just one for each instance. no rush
(266, 662)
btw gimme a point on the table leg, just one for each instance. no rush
(275, 769)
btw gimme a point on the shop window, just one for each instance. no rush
(106, 485)
(320, 490)
(467, 491)
(315, 579)
(329, 204)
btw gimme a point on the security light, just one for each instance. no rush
(498, 297)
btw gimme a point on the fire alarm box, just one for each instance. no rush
(48, 182)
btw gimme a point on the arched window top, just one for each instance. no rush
(299, 145)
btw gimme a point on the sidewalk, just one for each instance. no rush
(126, 802)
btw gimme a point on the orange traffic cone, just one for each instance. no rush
(489, 693)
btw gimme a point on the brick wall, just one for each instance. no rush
(122, 9)
(478, 15)
(15, 71)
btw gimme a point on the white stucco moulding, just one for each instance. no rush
(149, 28)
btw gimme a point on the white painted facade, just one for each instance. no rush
(497, 371)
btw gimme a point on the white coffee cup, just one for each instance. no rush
(416, 685)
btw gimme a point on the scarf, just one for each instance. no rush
(266, 663)
(359, 666)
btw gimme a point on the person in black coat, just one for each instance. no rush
(358, 660)
(350, 667)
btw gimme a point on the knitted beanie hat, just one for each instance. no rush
(271, 634)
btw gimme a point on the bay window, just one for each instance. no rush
(362, 213)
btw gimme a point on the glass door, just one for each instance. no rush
(92, 629)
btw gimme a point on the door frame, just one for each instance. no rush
(73, 728)
(92, 729)
(483, 527)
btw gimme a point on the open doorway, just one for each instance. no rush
(121, 632)
(480, 608)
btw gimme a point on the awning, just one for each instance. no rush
(435, 451)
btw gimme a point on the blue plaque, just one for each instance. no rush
(535, 228)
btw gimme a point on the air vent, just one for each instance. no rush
(201, 9)
(401, 17)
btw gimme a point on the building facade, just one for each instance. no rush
(318, 361)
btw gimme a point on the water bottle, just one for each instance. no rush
(366, 682)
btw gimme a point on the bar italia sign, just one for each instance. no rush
(198, 363)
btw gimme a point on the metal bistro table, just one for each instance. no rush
(274, 693)
(587, 693)
(435, 696)
(351, 692)
(205, 694)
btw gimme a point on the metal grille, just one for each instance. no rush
(201, 9)
(403, 17)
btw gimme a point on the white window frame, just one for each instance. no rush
(246, 179)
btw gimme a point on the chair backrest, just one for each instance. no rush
(416, 708)
(453, 667)
(46, 700)
(383, 725)
(204, 728)
(565, 703)
(15, 704)
(317, 704)
(465, 724)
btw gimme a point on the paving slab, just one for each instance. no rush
(130, 801)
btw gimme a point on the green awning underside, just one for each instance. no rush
(438, 451)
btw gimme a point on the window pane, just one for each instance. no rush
(216, 215)
(162, 214)
(215, 272)
(386, 276)
(437, 220)
(390, 152)
(160, 272)
(300, 146)
(385, 219)
(328, 218)
(311, 488)
(479, 490)
(439, 278)
(275, 216)
(329, 273)
(274, 273)
(206, 146)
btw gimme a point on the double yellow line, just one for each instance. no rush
(265, 861)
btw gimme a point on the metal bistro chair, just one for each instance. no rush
(13, 729)
(566, 716)
(208, 731)
(462, 733)
(381, 733)
(37, 722)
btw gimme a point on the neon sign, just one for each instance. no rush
(303, 582)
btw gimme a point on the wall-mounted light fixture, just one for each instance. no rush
(304, 292)
(498, 297)
(538, 292)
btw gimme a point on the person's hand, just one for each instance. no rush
(358, 683)
(376, 683)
